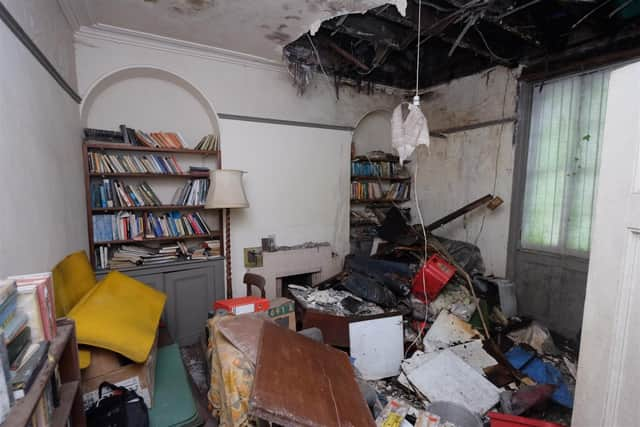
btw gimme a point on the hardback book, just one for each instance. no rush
(29, 304)
(18, 346)
(8, 309)
(27, 373)
(43, 283)
(7, 288)
(15, 326)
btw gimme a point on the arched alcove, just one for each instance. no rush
(373, 132)
(151, 99)
(154, 99)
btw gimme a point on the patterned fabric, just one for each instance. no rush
(231, 379)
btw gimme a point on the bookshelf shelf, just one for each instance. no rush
(380, 178)
(149, 208)
(63, 352)
(365, 159)
(160, 239)
(379, 201)
(136, 148)
(146, 175)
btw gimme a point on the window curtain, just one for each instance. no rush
(567, 124)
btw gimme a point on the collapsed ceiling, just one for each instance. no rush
(462, 37)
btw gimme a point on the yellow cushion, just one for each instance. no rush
(119, 314)
(73, 277)
(84, 358)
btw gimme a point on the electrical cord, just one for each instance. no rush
(313, 46)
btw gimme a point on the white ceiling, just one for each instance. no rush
(255, 27)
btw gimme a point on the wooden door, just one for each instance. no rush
(609, 369)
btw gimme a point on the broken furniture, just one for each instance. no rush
(299, 382)
(191, 288)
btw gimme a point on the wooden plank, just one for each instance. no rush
(67, 397)
(300, 382)
(147, 175)
(213, 235)
(125, 147)
(149, 208)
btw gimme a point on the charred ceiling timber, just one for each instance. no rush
(462, 37)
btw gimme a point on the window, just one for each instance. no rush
(567, 124)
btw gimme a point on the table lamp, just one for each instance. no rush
(227, 192)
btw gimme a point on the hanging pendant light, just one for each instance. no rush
(409, 127)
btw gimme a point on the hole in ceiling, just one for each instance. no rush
(458, 38)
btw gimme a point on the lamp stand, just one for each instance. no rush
(227, 251)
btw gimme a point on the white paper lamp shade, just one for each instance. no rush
(226, 190)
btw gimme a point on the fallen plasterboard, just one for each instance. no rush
(474, 355)
(448, 330)
(447, 377)
(377, 346)
(471, 353)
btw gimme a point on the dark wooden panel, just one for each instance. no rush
(300, 382)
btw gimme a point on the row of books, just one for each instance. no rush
(132, 226)
(381, 169)
(374, 191)
(398, 191)
(129, 255)
(366, 191)
(120, 226)
(28, 324)
(129, 163)
(111, 193)
(192, 193)
(141, 138)
(209, 143)
(175, 224)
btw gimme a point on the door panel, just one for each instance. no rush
(190, 296)
(609, 367)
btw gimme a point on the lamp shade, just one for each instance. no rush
(226, 190)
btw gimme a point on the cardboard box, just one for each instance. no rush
(111, 367)
(283, 312)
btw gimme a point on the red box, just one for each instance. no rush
(242, 305)
(432, 277)
(504, 420)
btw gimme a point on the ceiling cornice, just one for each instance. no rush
(171, 45)
(76, 14)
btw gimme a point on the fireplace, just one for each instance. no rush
(302, 266)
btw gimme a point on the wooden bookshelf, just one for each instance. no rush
(394, 178)
(90, 176)
(63, 353)
(160, 239)
(111, 146)
(149, 208)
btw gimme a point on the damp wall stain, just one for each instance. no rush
(191, 7)
(278, 36)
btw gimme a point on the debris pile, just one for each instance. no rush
(467, 356)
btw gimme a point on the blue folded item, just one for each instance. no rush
(541, 372)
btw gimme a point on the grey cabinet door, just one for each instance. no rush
(190, 295)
